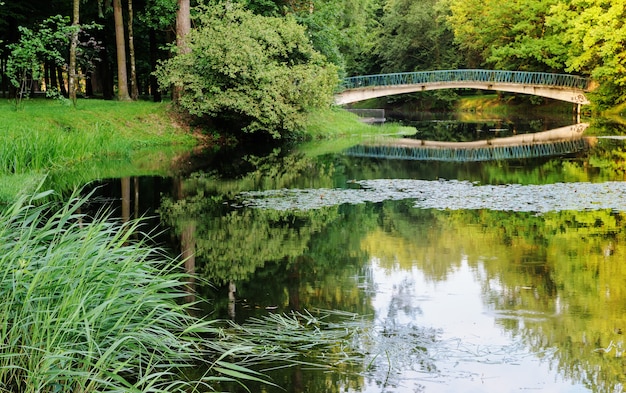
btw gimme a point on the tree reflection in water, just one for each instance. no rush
(453, 298)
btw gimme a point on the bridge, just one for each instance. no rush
(559, 141)
(564, 87)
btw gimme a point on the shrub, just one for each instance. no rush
(250, 71)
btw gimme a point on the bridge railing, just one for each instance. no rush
(481, 76)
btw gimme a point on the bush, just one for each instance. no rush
(252, 72)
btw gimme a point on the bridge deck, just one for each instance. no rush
(564, 87)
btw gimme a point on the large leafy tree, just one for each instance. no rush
(342, 30)
(594, 33)
(507, 34)
(415, 36)
(248, 71)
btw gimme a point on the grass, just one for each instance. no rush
(335, 130)
(337, 123)
(46, 136)
(492, 104)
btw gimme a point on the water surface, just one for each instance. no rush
(501, 276)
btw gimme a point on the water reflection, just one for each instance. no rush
(465, 299)
(467, 126)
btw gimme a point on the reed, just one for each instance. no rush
(85, 309)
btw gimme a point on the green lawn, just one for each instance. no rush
(47, 137)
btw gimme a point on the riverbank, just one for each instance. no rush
(46, 136)
(508, 104)
(100, 139)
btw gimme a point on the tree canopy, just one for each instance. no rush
(256, 72)
(359, 37)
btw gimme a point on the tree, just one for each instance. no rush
(594, 34)
(134, 89)
(35, 47)
(120, 46)
(415, 36)
(183, 27)
(157, 15)
(72, 82)
(507, 34)
(249, 71)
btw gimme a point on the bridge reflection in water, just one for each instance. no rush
(559, 141)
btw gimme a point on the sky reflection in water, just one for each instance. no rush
(472, 352)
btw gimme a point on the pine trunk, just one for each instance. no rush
(72, 79)
(120, 46)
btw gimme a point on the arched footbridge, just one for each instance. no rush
(564, 87)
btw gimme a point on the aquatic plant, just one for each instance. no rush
(84, 308)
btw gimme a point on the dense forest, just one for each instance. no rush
(116, 46)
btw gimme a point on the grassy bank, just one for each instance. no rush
(46, 136)
(338, 123)
(86, 305)
(334, 130)
(507, 105)
(100, 139)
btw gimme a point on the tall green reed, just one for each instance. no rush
(83, 308)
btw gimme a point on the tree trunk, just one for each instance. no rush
(4, 84)
(134, 89)
(120, 46)
(154, 84)
(183, 27)
(72, 80)
(52, 72)
(61, 80)
(46, 75)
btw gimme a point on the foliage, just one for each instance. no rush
(160, 14)
(259, 73)
(415, 36)
(86, 309)
(594, 35)
(508, 34)
(35, 47)
(581, 36)
(343, 31)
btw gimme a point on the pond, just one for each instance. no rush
(492, 276)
